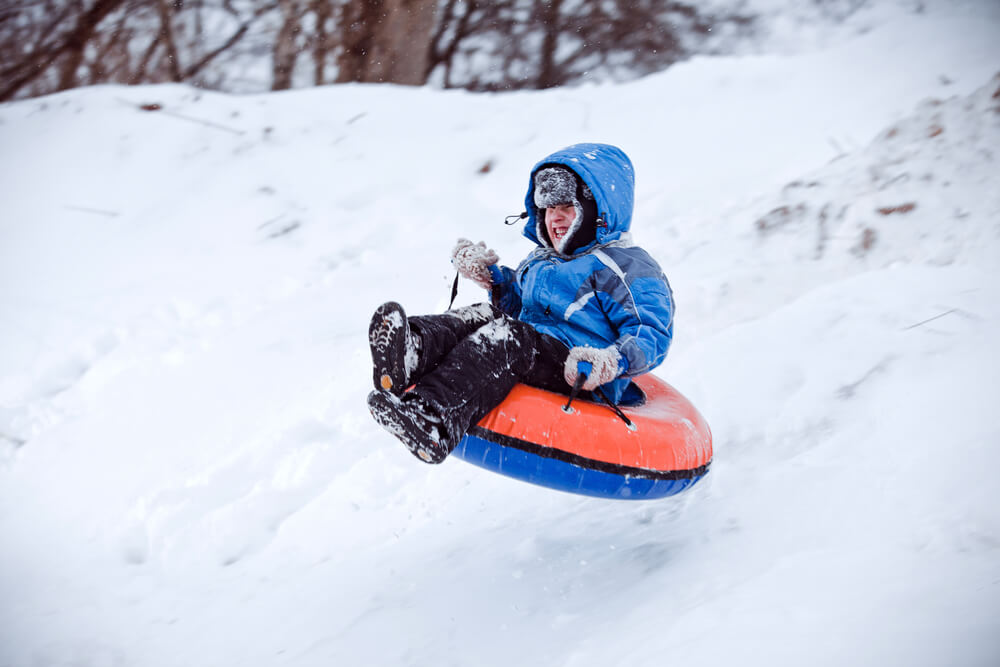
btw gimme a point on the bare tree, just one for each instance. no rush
(453, 27)
(50, 45)
(167, 37)
(287, 43)
(546, 43)
(46, 45)
(386, 41)
(58, 44)
(323, 39)
(401, 47)
(548, 12)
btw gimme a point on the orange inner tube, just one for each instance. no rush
(669, 433)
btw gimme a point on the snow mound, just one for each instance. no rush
(188, 474)
(920, 193)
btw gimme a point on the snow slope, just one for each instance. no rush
(188, 475)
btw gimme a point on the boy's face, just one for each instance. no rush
(558, 220)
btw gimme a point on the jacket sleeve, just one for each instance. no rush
(641, 313)
(505, 293)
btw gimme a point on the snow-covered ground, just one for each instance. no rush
(189, 476)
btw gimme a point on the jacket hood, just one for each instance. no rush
(608, 172)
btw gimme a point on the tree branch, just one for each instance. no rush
(212, 55)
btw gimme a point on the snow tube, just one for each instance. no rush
(590, 450)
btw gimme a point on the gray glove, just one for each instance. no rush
(472, 261)
(599, 363)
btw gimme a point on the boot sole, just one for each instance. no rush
(387, 339)
(385, 410)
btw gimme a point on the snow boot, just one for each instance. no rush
(394, 349)
(412, 421)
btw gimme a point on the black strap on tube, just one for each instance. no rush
(580, 379)
(618, 411)
(454, 292)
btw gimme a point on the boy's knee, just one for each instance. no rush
(480, 312)
(494, 331)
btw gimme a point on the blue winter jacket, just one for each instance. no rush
(607, 292)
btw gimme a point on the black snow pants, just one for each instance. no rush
(470, 358)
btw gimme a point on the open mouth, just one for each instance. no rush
(559, 232)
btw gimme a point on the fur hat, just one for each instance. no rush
(559, 186)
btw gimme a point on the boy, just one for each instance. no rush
(584, 301)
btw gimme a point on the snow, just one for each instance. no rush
(189, 475)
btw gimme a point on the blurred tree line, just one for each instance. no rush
(245, 45)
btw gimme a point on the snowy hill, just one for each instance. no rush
(188, 475)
